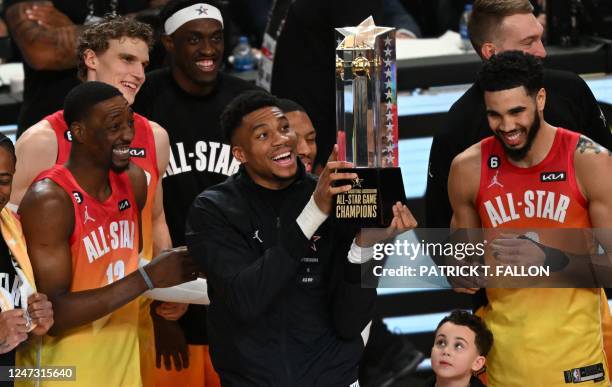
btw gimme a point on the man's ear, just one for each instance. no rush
(541, 99)
(77, 130)
(238, 153)
(488, 50)
(91, 59)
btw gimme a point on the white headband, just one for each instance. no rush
(196, 11)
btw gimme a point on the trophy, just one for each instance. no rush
(366, 121)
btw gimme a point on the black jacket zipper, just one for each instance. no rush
(284, 321)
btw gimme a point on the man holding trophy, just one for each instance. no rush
(287, 306)
(366, 118)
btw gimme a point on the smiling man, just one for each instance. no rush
(304, 131)
(187, 99)
(114, 51)
(505, 172)
(496, 26)
(287, 306)
(81, 223)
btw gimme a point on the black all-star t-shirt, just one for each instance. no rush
(200, 157)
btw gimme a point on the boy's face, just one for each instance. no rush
(454, 354)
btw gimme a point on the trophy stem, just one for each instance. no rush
(341, 134)
(360, 122)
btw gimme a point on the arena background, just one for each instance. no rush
(433, 89)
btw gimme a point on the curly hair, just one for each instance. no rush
(511, 69)
(484, 337)
(96, 37)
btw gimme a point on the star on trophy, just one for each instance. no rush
(366, 121)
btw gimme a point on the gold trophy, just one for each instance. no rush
(366, 121)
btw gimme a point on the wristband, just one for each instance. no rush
(310, 218)
(556, 259)
(359, 255)
(146, 278)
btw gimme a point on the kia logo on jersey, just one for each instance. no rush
(124, 205)
(547, 177)
(78, 197)
(68, 135)
(138, 152)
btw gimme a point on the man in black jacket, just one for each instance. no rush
(496, 26)
(287, 307)
(188, 98)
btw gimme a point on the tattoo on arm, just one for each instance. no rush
(56, 47)
(585, 144)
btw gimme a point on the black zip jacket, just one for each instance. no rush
(285, 310)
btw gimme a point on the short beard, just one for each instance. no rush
(519, 154)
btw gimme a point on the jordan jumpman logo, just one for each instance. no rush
(87, 217)
(494, 181)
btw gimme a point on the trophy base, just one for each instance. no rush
(370, 202)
